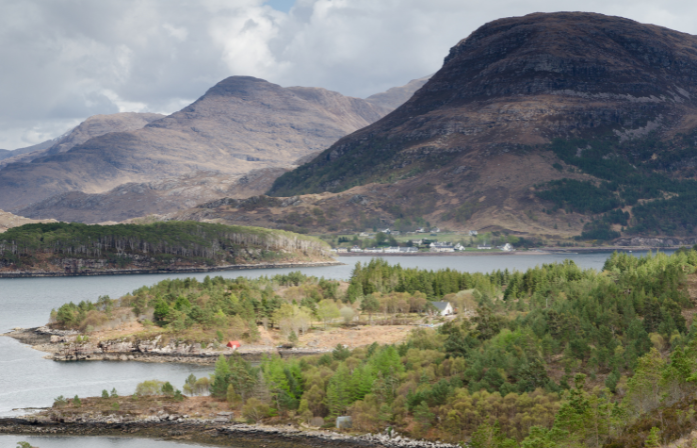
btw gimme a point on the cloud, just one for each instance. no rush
(64, 60)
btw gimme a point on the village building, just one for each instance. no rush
(373, 250)
(408, 250)
(356, 249)
(444, 308)
(441, 247)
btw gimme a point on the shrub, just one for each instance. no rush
(59, 401)
(168, 389)
(255, 410)
(152, 387)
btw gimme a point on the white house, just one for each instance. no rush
(408, 250)
(484, 246)
(506, 247)
(459, 246)
(373, 250)
(356, 249)
(441, 247)
(444, 308)
(391, 250)
(473, 233)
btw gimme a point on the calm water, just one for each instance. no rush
(28, 380)
(27, 302)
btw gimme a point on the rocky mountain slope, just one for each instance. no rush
(94, 126)
(475, 146)
(243, 130)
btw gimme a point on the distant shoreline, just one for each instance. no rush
(183, 270)
(540, 251)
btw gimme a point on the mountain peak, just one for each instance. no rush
(520, 81)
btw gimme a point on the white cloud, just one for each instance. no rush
(64, 60)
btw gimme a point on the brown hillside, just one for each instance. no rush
(474, 135)
(239, 125)
(161, 196)
(8, 220)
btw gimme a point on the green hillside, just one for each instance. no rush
(654, 177)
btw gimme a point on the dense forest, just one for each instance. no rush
(655, 177)
(163, 242)
(556, 356)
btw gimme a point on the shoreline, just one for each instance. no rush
(217, 432)
(540, 251)
(185, 270)
(39, 338)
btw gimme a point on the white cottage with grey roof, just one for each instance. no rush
(444, 308)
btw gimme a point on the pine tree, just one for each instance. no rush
(221, 378)
(338, 391)
(654, 438)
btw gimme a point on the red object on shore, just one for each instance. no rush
(234, 344)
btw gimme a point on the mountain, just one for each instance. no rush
(94, 126)
(158, 197)
(396, 96)
(241, 124)
(602, 107)
(6, 153)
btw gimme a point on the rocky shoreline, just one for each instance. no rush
(62, 345)
(219, 432)
(167, 270)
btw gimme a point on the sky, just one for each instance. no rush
(65, 60)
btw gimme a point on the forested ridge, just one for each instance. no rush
(164, 242)
(655, 177)
(556, 356)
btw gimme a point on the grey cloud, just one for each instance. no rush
(64, 60)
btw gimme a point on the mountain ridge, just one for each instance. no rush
(256, 127)
(227, 130)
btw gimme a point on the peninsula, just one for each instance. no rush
(68, 249)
